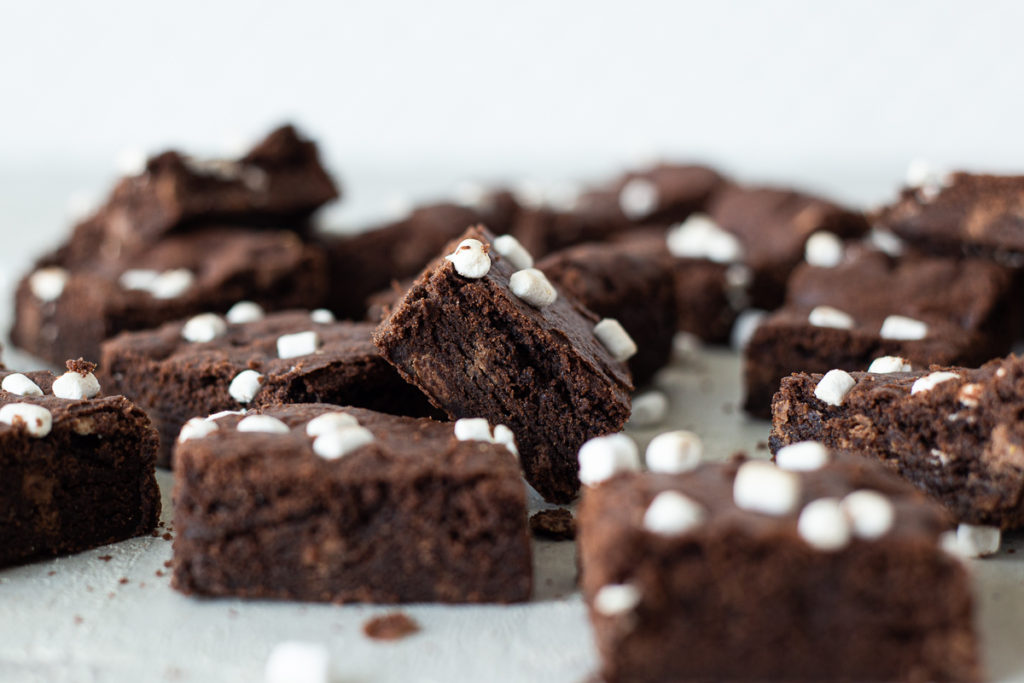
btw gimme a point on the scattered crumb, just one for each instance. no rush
(154, 533)
(738, 457)
(168, 563)
(390, 627)
(52, 572)
(557, 525)
(81, 366)
(105, 558)
(111, 595)
(159, 572)
(123, 580)
(762, 445)
(1011, 551)
(78, 619)
(167, 536)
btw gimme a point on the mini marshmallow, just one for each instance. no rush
(743, 329)
(329, 422)
(921, 174)
(887, 364)
(672, 513)
(649, 408)
(903, 328)
(977, 541)
(602, 457)
(969, 395)
(929, 382)
(75, 386)
(47, 284)
(262, 423)
(870, 513)
(138, 278)
(37, 420)
(638, 198)
(834, 386)
(340, 442)
(700, 237)
(533, 287)
(298, 344)
(472, 429)
(804, 456)
(511, 249)
(686, 347)
(244, 312)
(616, 598)
(824, 250)
(224, 413)
(762, 487)
(245, 385)
(321, 316)
(823, 525)
(203, 328)
(196, 428)
(21, 385)
(674, 452)
(297, 662)
(171, 284)
(886, 242)
(614, 337)
(131, 161)
(827, 316)
(470, 259)
(504, 436)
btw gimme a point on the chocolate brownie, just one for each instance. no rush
(393, 509)
(63, 312)
(535, 360)
(631, 282)
(747, 572)
(187, 368)
(871, 305)
(77, 467)
(956, 436)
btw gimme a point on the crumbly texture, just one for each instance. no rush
(553, 525)
(273, 268)
(968, 325)
(968, 456)
(87, 483)
(173, 379)
(414, 516)
(630, 282)
(742, 597)
(394, 626)
(477, 350)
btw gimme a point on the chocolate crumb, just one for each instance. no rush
(52, 572)
(390, 627)
(81, 366)
(1011, 551)
(167, 537)
(111, 595)
(78, 619)
(123, 580)
(105, 558)
(167, 563)
(557, 525)
(159, 572)
(738, 457)
(762, 445)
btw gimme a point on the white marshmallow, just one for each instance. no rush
(638, 198)
(762, 487)
(969, 395)
(834, 386)
(533, 287)
(613, 336)
(340, 442)
(886, 242)
(929, 382)
(672, 513)
(921, 174)
(171, 284)
(262, 423)
(245, 386)
(824, 250)
(213, 417)
(504, 436)
(870, 513)
(203, 328)
(674, 452)
(470, 259)
(903, 328)
(244, 312)
(823, 525)
(298, 344)
(700, 237)
(75, 386)
(616, 598)
(21, 385)
(329, 422)
(649, 408)
(297, 662)
(686, 347)
(977, 540)
(37, 420)
(804, 456)
(196, 428)
(472, 429)
(511, 249)
(131, 161)
(827, 316)
(138, 278)
(321, 316)
(887, 364)
(743, 329)
(602, 457)
(47, 284)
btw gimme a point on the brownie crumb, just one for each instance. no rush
(1011, 551)
(81, 366)
(762, 445)
(123, 580)
(111, 595)
(390, 627)
(168, 563)
(738, 457)
(78, 619)
(556, 525)
(52, 572)
(167, 537)
(105, 558)
(159, 572)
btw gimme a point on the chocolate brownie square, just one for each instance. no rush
(60, 312)
(209, 364)
(871, 305)
(320, 503)
(484, 335)
(748, 572)
(77, 467)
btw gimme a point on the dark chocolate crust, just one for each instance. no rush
(415, 516)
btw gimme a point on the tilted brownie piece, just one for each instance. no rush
(205, 365)
(531, 360)
(631, 282)
(747, 572)
(77, 467)
(319, 508)
(871, 305)
(63, 313)
(955, 433)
